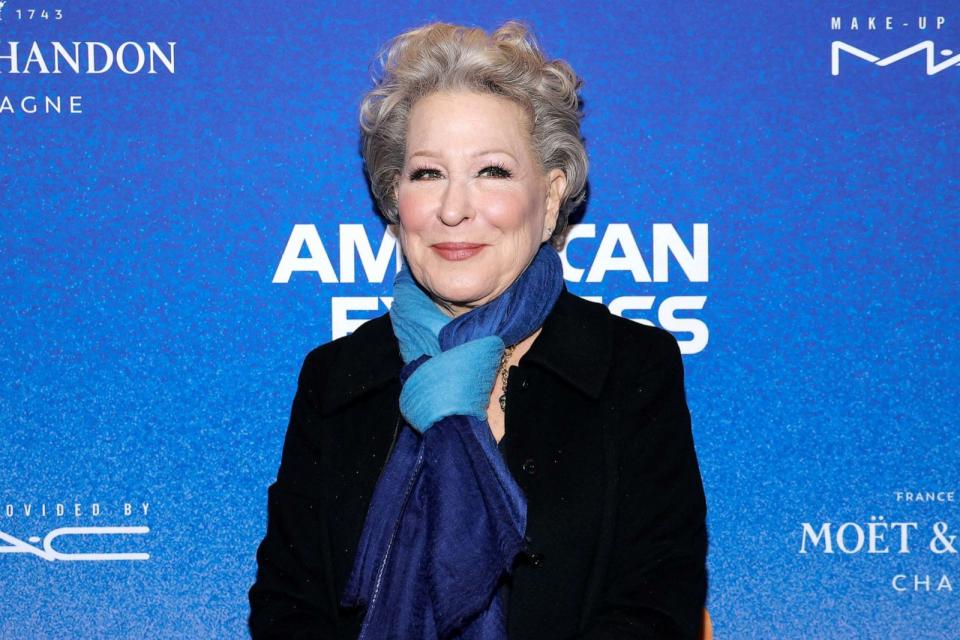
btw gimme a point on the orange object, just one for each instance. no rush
(707, 631)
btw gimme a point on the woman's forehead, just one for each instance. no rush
(470, 123)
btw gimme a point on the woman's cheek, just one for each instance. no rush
(413, 208)
(511, 209)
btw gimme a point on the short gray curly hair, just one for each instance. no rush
(447, 57)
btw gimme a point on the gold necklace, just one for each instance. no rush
(504, 373)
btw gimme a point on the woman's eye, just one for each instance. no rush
(496, 171)
(421, 174)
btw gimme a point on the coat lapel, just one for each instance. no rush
(555, 446)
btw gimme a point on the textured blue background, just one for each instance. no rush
(146, 355)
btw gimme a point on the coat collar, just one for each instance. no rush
(575, 345)
(366, 360)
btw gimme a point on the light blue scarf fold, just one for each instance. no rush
(447, 519)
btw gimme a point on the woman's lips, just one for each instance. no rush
(457, 250)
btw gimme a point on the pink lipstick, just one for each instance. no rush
(457, 250)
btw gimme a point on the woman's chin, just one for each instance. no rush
(461, 299)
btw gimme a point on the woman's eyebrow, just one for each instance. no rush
(433, 154)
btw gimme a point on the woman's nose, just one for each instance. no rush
(455, 206)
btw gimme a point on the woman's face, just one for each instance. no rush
(474, 204)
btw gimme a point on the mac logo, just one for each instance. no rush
(927, 45)
(47, 552)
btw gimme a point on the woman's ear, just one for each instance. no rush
(556, 185)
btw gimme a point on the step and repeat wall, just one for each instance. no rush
(184, 215)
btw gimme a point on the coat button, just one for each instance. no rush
(529, 466)
(524, 383)
(536, 559)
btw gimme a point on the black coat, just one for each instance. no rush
(597, 436)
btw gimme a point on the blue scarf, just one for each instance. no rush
(447, 519)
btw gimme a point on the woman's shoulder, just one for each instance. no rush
(601, 354)
(365, 339)
(345, 368)
(626, 342)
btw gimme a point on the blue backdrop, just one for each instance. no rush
(796, 228)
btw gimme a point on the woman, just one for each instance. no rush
(496, 457)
